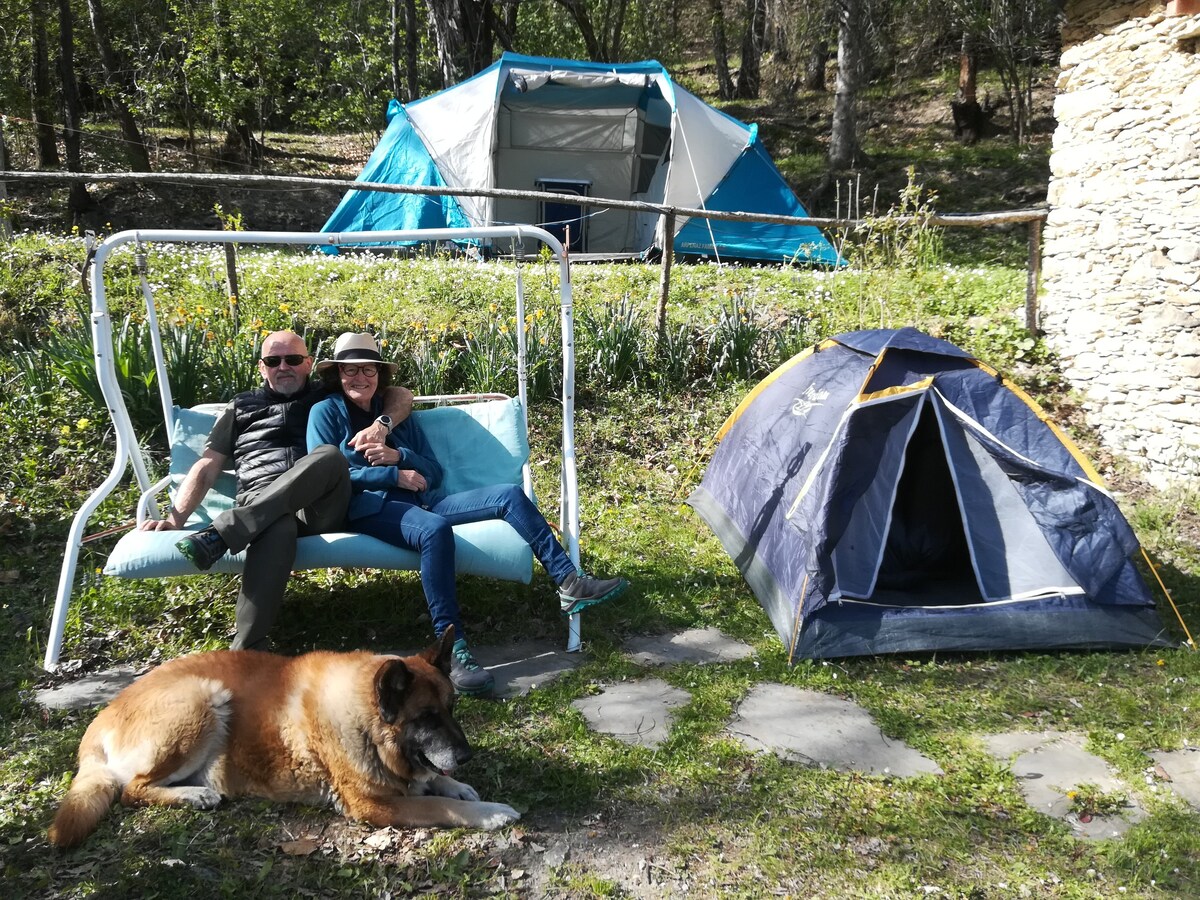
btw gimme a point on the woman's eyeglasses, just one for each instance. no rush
(292, 359)
(368, 370)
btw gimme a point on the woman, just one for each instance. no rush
(397, 499)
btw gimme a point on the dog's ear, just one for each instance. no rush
(392, 682)
(438, 655)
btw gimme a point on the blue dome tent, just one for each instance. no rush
(618, 131)
(902, 496)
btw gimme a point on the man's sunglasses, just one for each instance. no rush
(292, 359)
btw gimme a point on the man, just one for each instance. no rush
(283, 492)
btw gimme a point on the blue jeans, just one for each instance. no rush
(428, 531)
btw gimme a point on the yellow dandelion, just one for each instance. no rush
(1160, 662)
(83, 424)
(285, 308)
(65, 430)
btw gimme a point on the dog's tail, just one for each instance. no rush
(87, 802)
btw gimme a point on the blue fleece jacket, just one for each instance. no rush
(329, 423)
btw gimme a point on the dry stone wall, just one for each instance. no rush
(1121, 264)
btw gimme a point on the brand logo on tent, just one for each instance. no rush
(812, 398)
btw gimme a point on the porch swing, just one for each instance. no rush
(481, 439)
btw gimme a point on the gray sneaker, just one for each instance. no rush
(468, 676)
(203, 548)
(579, 591)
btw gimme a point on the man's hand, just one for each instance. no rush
(372, 434)
(173, 521)
(410, 480)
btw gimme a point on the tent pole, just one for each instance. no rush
(665, 282)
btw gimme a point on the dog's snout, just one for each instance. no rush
(462, 753)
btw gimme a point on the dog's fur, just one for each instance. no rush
(373, 735)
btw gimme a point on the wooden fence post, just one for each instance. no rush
(231, 279)
(664, 287)
(5, 224)
(1033, 276)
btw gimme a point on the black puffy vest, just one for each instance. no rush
(269, 434)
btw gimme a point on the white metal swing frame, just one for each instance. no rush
(129, 453)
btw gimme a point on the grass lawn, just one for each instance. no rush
(699, 815)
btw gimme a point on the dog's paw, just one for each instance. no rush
(496, 815)
(199, 797)
(445, 786)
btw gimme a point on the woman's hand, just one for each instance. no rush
(410, 480)
(380, 454)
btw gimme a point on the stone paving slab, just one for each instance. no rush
(818, 729)
(519, 668)
(638, 712)
(1182, 768)
(90, 690)
(1048, 764)
(702, 646)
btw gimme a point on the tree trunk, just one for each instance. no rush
(411, 48)
(577, 10)
(749, 81)
(116, 73)
(968, 69)
(42, 95)
(721, 50)
(447, 37)
(78, 199)
(814, 67)
(843, 143)
(394, 47)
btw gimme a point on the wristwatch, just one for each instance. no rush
(386, 422)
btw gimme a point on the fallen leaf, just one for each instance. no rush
(381, 839)
(302, 847)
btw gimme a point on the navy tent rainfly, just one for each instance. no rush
(885, 492)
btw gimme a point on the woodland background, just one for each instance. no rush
(209, 85)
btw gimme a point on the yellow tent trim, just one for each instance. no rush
(1072, 448)
(767, 382)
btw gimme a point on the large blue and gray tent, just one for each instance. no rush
(884, 491)
(618, 131)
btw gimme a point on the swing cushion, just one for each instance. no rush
(478, 444)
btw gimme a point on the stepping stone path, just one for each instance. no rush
(821, 730)
(636, 712)
(810, 727)
(1049, 765)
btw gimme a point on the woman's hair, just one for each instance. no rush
(332, 378)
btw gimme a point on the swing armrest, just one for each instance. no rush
(147, 498)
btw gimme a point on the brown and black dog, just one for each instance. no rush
(372, 735)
